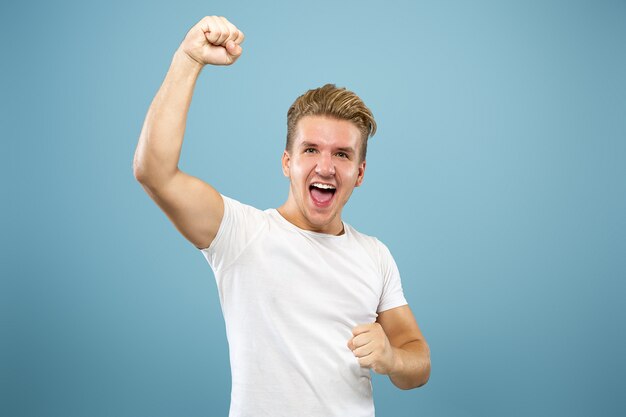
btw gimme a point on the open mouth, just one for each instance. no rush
(322, 194)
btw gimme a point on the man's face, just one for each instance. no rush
(323, 167)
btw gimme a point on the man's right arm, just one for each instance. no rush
(195, 208)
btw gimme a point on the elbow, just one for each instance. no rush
(137, 169)
(142, 167)
(419, 382)
(424, 375)
(419, 375)
(420, 370)
(420, 379)
(151, 174)
(138, 173)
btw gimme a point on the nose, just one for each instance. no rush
(325, 166)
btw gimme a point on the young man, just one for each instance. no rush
(310, 304)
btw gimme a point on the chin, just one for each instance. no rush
(321, 219)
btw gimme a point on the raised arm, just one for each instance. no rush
(195, 208)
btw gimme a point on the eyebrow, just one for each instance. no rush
(314, 145)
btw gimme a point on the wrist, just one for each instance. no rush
(397, 364)
(186, 63)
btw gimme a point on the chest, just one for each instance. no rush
(307, 277)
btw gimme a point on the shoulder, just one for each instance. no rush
(241, 225)
(240, 220)
(374, 247)
(236, 205)
(236, 211)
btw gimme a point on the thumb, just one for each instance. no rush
(233, 49)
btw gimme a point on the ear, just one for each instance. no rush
(285, 163)
(359, 179)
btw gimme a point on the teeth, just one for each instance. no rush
(323, 186)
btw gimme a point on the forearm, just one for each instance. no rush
(158, 151)
(411, 365)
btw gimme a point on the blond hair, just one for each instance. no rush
(335, 102)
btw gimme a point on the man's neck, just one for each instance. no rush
(296, 218)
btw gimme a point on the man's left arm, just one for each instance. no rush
(394, 346)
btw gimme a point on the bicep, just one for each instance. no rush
(193, 206)
(400, 326)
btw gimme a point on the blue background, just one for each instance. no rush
(497, 179)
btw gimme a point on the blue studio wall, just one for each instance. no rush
(497, 179)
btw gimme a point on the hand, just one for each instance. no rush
(213, 40)
(372, 348)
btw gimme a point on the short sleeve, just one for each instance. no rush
(239, 226)
(392, 294)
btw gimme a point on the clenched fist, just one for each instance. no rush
(213, 40)
(372, 348)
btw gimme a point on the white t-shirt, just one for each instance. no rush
(290, 298)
